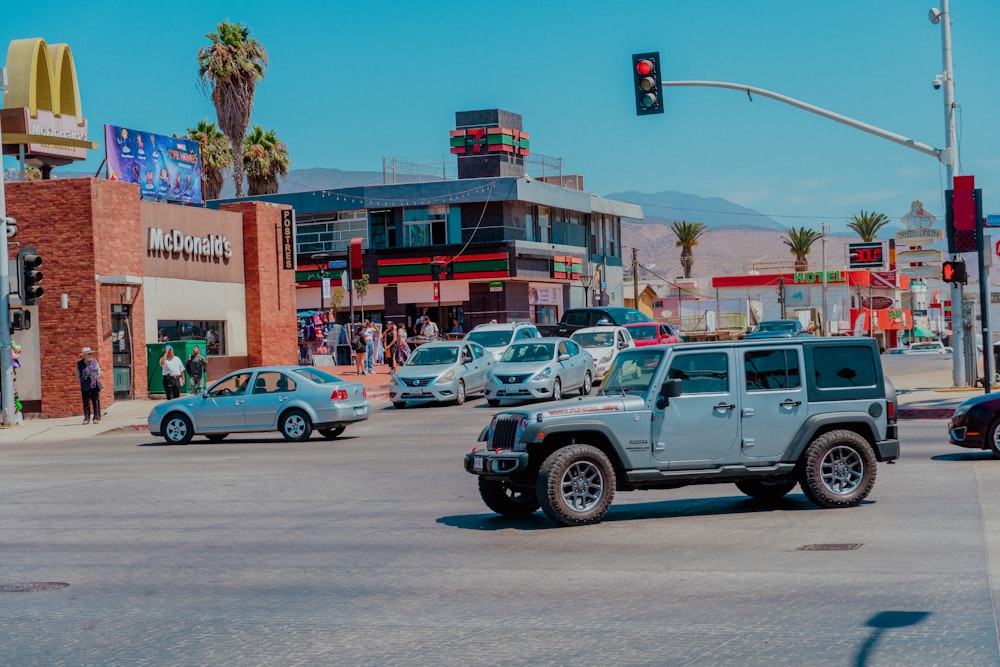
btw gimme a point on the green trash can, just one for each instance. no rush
(154, 351)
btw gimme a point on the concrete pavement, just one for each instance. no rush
(925, 394)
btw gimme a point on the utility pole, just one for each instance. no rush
(635, 279)
(781, 295)
(824, 328)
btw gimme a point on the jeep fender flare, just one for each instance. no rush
(554, 431)
(861, 423)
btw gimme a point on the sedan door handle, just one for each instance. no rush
(725, 406)
(789, 403)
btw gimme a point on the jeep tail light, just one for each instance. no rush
(338, 395)
(890, 410)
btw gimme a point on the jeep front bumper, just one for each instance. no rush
(495, 463)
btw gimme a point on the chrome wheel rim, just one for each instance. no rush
(582, 486)
(842, 470)
(176, 430)
(460, 392)
(295, 426)
(557, 390)
(587, 383)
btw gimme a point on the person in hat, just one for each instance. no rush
(173, 373)
(88, 372)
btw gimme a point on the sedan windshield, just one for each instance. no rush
(595, 339)
(643, 333)
(498, 338)
(529, 352)
(632, 371)
(433, 356)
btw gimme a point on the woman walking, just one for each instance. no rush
(389, 340)
(402, 347)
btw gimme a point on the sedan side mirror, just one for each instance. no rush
(564, 357)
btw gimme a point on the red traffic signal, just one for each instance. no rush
(648, 87)
(954, 272)
(31, 276)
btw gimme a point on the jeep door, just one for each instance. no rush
(700, 427)
(774, 403)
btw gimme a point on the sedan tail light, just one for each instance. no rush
(338, 395)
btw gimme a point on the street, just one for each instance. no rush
(375, 549)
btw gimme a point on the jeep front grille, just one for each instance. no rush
(505, 431)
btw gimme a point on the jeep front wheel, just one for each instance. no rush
(767, 490)
(576, 485)
(838, 469)
(506, 499)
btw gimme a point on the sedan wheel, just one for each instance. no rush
(588, 385)
(460, 393)
(557, 390)
(177, 429)
(295, 426)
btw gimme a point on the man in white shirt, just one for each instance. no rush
(173, 373)
(429, 330)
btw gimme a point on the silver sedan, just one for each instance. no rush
(292, 400)
(440, 373)
(540, 369)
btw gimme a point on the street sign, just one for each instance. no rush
(337, 264)
(865, 255)
(918, 256)
(884, 279)
(993, 220)
(926, 271)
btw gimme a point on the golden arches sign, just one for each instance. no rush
(42, 109)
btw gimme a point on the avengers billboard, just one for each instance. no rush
(166, 168)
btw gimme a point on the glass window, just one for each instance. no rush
(383, 228)
(544, 224)
(213, 332)
(701, 372)
(234, 385)
(272, 382)
(843, 366)
(530, 227)
(425, 226)
(771, 369)
(632, 370)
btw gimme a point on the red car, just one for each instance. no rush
(653, 333)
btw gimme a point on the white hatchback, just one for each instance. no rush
(603, 343)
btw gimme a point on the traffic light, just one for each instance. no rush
(954, 272)
(648, 87)
(29, 264)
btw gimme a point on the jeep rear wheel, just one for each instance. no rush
(838, 469)
(576, 485)
(767, 490)
(503, 498)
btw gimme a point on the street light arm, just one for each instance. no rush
(945, 156)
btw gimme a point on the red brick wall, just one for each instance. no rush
(82, 228)
(270, 290)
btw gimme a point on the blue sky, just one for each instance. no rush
(350, 82)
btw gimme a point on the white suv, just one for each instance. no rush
(496, 338)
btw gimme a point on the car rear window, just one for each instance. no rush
(843, 366)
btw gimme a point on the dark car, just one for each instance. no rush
(778, 329)
(976, 425)
(581, 318)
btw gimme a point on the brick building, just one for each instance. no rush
(118, 270)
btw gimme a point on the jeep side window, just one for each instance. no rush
(843, 366)
(701, 372)
(771, 369)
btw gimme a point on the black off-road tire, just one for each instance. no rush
(332, 432)
(507, 500)
(588, 384)
(295, 426)
(838, 469)
(460, 393)
(576, 485)
(766, 490)
(177, 429)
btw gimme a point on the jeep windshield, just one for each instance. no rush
(632, 372)
(495, 338)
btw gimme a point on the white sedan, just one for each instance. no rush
(603, 343)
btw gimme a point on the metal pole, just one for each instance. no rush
(824, 329)
(952, 165)
(6, 356)
(984, 309)
(635, 279)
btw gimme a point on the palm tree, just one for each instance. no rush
(800, 241)
(264, 159)
(216, 156)
(231, 66)
(687, 237)
(867, 224)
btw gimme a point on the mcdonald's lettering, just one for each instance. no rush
(817, 277)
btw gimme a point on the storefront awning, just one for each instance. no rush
(920, 332)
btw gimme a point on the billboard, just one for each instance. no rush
(164, 167)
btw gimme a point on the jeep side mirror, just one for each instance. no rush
(669, 389)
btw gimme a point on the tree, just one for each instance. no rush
(231, 66)
(216, 156)
(687, 237)
(361, 289)
(800, 241)
(867, 224)
(264, 160)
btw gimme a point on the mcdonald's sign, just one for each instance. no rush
(42, 115)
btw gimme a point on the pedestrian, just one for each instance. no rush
(88, 372)
(196, 367)
(429, 329)
(369, 336)
(456, 328)
(389, 340)
(358, 347)
(173, 373)
(402, 347)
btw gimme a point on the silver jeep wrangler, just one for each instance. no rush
(765, 415)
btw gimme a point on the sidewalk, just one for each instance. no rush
(923, 396)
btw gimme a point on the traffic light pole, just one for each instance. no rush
(6, 355)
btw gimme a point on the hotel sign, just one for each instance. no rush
(817, 277)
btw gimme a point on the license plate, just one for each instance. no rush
(359, 411)
(477, 463)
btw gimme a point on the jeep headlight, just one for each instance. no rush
(543, 375)
(446, 377)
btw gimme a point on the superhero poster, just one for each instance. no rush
(165, 168)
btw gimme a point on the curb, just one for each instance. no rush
(926, 413)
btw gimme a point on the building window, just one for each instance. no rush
(544, 225)
(330, 233)
(383, 229)
(213, 332)
(425, 226)
(530, 223)
(612, 235)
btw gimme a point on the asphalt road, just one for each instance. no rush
(375, 549)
